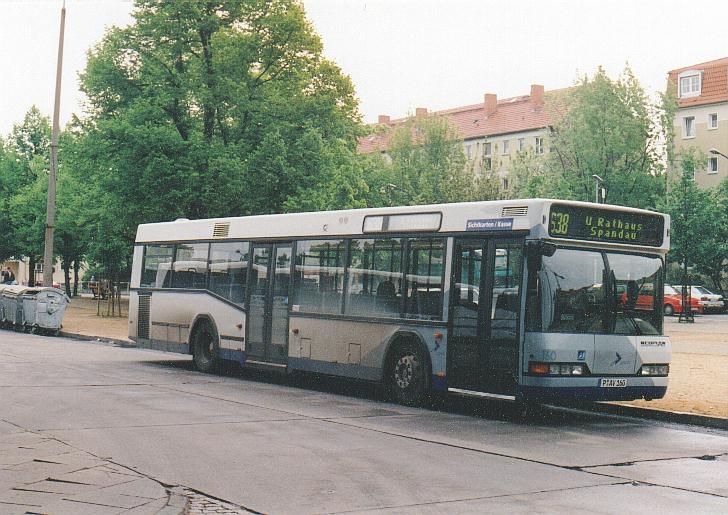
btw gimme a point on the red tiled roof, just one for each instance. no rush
(514, 114)
(714, 87)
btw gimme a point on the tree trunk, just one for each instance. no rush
(67, 276)
(76, 266)
(31, 272)
(717, 286)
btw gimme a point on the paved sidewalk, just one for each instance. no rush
(42, 475)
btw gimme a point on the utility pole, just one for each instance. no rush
(51, 204)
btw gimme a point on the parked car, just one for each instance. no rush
(673, 301)
(708, 302)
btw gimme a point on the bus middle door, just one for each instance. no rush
(268, 304)
(484, 312)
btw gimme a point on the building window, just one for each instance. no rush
(487, 163)
(505, 149)
(319, 275)
(689, 127)
(689, 84)
(504, 183)
(229, 270)
(713, 121)
(539, 146)
(468, 151)
(487, 149)
(712, 165)
(521, 144)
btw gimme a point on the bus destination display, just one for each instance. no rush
(594, 224)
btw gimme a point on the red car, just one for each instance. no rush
(673, 301)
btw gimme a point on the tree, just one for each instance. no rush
(426, 164)
(711, 258)
(213, 108)
(695, 227)
(23, 183)
(602, 127)
(71, 234)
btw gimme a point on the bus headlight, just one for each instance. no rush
(555, 369)
(654, 370)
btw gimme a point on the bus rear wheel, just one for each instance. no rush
(204, 347)
(407, 375)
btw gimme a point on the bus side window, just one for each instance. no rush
(157, 266)
(229, 270)
(190, 266)
(375, 277)
(319, 275)
(424, 278)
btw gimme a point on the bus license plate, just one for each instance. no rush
(613, 383)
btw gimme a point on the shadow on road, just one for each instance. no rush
(487, 409)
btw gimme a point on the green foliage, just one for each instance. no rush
(603, 127)
(203, 109)
(709, 251)
(24, 164)
(426, 164)
(698, 227)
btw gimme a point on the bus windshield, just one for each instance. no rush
(583, 291)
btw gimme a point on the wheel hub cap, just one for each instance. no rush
(404, 371)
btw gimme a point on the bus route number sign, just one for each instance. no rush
(595, 224)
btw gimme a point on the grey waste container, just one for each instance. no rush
(44, 308)
(12, 302)
(52, 306)
(2, 307)
(29, 298)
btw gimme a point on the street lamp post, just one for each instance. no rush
(51, 202)
(717, 152)
(599, 191)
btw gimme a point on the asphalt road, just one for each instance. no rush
(328, 446)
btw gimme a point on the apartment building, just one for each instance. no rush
(493, 132)
(22, 272)
(701, 120)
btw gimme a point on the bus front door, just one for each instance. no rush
(484, 312)
(267, 320)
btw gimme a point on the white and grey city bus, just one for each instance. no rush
(538, 300)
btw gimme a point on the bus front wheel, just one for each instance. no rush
(407, 375)
(204, 347)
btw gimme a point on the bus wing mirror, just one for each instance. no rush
(540, 248)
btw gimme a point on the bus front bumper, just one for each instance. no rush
(590, 388)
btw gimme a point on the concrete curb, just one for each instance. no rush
(178, 502)
(608, 408)
(677, 417)
(99, 339)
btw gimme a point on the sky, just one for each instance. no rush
(403, 54)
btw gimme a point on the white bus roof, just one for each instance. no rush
(511, 215)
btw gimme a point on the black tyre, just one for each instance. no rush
(669, 310)
(407, 375)
(204, 347)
